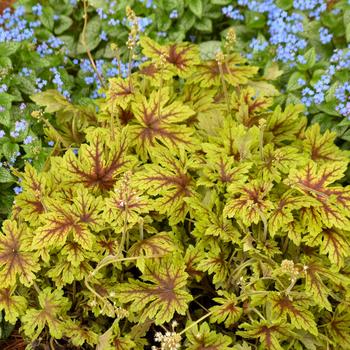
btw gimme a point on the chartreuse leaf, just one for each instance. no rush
(221, 170)
(333, 202)
(126, 204)
(80, 334)
(120, 93)
(295, 306)
(76, 221)
(161, 295)
(230, 141)
(157, 245)
(282, 214)
(317, 277)
(156, 73)
(339, 327)
(113, 340)
(248, 106)
(321, 147)
(215, 263)
(278, 162)
(250, 202)
(181, 57)
(65, 272)
(192, 258)
(99, 162)
(159, 121)
(168, 179)
(203, 337)
(16, 255)
(74, 253)
(212, 223)
(227, 311)
(269, 334)
(234, 72)
(87, 208)
(282, 126)
(13, 305)
(333, 242)
(52, 308)
(31, 202)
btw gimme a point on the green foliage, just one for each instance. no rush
(191, 199)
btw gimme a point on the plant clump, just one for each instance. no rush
(194, 215)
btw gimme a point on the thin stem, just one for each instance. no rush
(104, 262)
(263, 219)
(290, 287)
(125, 228)
(258, 313)
(85, 44)
(196, 322)
(261, 139)
(119, 62)
(36, 287)
(224, 87)
(141, 228)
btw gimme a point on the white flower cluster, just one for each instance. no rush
(169, 340)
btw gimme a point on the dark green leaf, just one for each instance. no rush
(204, 25)
(10, 149)
(8, 48)
(5, 176)
(47, 17)
(293, 81)
(196, 7)
(64, 23)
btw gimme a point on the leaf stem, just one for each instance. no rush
(196, 322)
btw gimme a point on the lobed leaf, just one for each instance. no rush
(16, 255)
(162, 297)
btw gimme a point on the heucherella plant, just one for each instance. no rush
(305, 45)
(194, 215)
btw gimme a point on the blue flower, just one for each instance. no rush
(3, 88)
(37, 10)
(20, 125)
(301, 59)
(258, 44)
(143, 23)
(29, 139)
(113, 22)
(103, 36)
(2, 133)
(173, 14)
(325, 36)
(101, 13)
(17, 189)
(228, 11)
(40, 83)
(25, 72)
(89, 80)
(162, 34)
